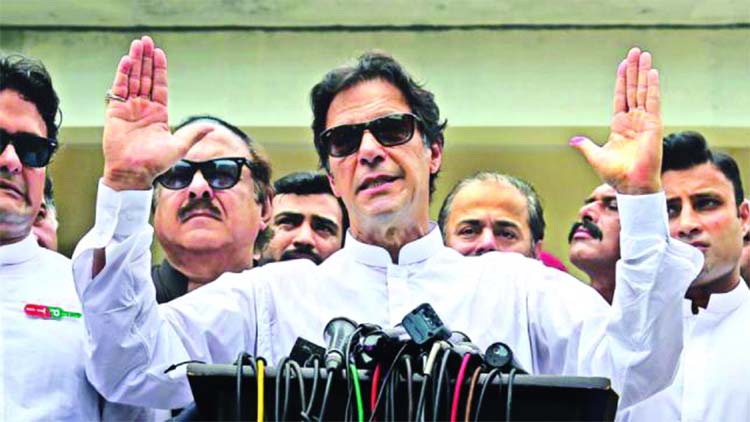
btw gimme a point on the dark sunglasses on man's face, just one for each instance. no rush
(220, 173)
(32, 150)
(391, 130)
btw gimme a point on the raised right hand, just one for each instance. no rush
(137, 143)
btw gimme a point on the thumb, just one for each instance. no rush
(587, 148)
(190, 135)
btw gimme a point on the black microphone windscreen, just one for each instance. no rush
(337, 333)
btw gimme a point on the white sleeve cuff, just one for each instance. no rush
(643, 218)
(121, 212)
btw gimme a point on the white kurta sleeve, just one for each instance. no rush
(638, 340)
(132, 340)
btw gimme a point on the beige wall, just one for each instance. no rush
(512, 97)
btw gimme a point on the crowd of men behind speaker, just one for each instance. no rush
(216, 211)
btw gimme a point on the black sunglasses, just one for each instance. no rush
(220, 173)
(391, 130)
(32, 150)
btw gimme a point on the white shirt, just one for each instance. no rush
(42, 374)
(554, 323)
(713, 381)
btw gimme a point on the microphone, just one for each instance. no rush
(337, 334)
(499, 355)
(304, 351)
(384, 344)
(459, 337)
(424, 325)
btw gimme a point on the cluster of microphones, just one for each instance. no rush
(419, 370)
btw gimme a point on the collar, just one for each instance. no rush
(19, 252)
(724, 303)
(168, 271)
(413, 252)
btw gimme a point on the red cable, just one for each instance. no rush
(459, 382)
(374, 388)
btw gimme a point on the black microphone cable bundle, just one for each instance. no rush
(420, 356)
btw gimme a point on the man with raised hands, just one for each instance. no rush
(42, 333)
(379, 137)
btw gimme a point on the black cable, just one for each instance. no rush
(487, 381)
(440, 378)
(422, 399)
(409, 392)
(277, 395)
(349, 386)
(242, 358)
(287, 389)
(238, 388)
(385, 379)
(316, 377)
(300, 382)
(326, 392)
(387, 404)
(509, 401)
(393, 389)
(174, 366)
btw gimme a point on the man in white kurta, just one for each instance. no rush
(42, 333)
(43, 359)
(394, 258)
(706, 209)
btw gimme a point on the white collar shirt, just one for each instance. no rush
(554, 323)
(713, 380)
(42, 361)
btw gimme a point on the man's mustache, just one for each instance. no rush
(589, 226)
(303, 252)
(198, 204)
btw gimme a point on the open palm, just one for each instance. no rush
(137, 143)
(630, 161)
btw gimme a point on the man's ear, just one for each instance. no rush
(266, 210)
(436, 156)
(745, 217)
(537, 250)
(332, 182)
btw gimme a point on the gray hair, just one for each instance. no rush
(533, 203)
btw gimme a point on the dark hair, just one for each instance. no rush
(683, 150)
(535, 218)
(371, 66)
(49, 194)
(261, 170)
(30, 79)
(309, 183)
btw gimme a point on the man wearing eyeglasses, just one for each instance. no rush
(380, 138)
(211, 208)
(42, 333)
